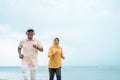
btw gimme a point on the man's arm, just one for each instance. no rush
(40, 49)
(19, 52)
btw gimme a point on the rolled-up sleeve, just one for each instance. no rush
(39, 44)
(62, 54)
(20, 44)
(50, 52)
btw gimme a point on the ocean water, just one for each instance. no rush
(68, 73)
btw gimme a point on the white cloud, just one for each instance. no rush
(8, 53)
(80, 24)
(5, 28)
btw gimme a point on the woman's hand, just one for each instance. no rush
(55, 52)
(63, 57)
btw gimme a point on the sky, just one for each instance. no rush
(88, 30)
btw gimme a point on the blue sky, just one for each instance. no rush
(88, 30)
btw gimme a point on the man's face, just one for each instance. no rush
(30, 35)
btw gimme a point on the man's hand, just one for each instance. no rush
(35, 46)
(21, 56)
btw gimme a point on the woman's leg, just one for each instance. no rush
(51, 73)
(58, 73)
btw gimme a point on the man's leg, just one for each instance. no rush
(33, 72)
(58, 73)
(51, 73)
(26, 72)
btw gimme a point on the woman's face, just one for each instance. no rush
(56, 42)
